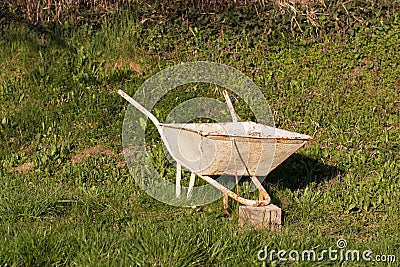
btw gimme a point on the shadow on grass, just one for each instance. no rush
(299, 171)
(296, 172)
(52, 31)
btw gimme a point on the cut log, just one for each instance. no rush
(268, 217)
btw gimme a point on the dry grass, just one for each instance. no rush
(73, 11)
(42, 11)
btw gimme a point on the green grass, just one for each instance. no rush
(58, 97)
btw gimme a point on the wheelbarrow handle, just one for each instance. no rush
(151, 117)
(140, 108)
(230, 107)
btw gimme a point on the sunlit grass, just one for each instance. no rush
(59, 98)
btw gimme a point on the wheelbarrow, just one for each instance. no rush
(225, 148)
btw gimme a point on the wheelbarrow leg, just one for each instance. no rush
(225, 203)
(178, 179)
(229, 193)
(191, 184)
(263, 195)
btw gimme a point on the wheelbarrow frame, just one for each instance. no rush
(264, 199)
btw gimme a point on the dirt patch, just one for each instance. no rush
(135, 67)
(90, 152)
(358, 70)
(24, 167)
(121, 164)
(129, 64)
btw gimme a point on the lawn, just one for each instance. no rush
(68, 198)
